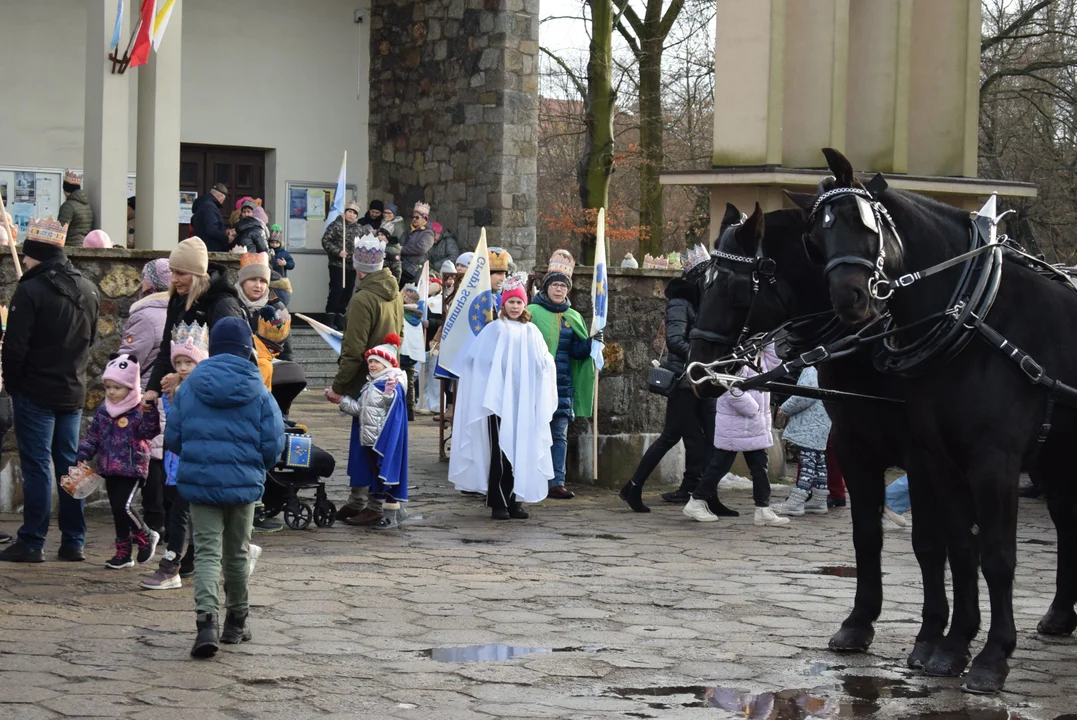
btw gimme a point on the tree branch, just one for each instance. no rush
(1028, 70)
(670, 17)
(1017, 24)
(630, 14)
(581, 88)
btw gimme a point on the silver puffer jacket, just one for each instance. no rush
(372, 407)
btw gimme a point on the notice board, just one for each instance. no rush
(31, 192)
(308, 205)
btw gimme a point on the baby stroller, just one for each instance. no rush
(303, 467)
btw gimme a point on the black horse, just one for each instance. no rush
(766, 254)
(970, 407)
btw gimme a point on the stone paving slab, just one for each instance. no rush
(647, 615)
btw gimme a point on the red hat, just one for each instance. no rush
(387, 351)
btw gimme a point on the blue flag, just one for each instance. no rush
(119, 24)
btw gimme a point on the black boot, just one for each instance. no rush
(682, 494)
(633, 495)
(205, 644)
(516, 512)
(719, 509)
(235, 629)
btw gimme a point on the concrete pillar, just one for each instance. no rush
(944, 87)
(106, 128)
(157, 166)
(816, 80)
(748, 82)
(880, 40)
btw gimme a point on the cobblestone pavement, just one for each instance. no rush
(647, 616)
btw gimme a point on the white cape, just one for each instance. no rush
(510, 373)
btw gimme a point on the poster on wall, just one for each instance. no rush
(296, 238)
(186, 205)
(30, 192)
(297, 203)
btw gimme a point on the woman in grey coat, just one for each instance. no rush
(807, 431)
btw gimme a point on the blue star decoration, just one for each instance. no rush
(482, 312)
(601, 295)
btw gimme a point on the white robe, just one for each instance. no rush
(510, 373)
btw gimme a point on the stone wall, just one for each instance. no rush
(117, 274)
(454, 115)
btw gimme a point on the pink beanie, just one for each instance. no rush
(123, 370)
(97, 239)
(513, 288)
(437, 227)
(190, 341)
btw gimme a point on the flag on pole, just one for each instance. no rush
(337, 208)
(140, 54)
(160, 22)
(599, 290)
(423, 287)
(333, 338)
(472, 308)
(115, 44)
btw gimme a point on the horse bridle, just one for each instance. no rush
(880, 287)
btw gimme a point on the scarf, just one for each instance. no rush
(252, 304)
(129, 403)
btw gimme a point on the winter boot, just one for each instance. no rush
(388, 521)
(816, 504)
(167, 576)
(633, 495)
(698, 510)
(146, 541)
(718, 508)
(517, 512)
(235, 629)
(123, 557)
(793, 505)
(205, 644)
(766, 516)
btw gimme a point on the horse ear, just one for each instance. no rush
(751, 233)
(840, 166)
(732, 215)
(804, 201)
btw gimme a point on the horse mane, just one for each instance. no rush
(919, 215)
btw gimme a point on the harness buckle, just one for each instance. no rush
(1045, 430)
(906, 280)
(815, 356)
(1031, 368)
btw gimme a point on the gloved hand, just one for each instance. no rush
(600, 336)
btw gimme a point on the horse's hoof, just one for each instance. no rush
(921, 653)
(1058, 622)
(852, 640)
(985, 680)
(946, 663)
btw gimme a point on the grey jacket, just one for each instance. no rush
(372, 408)
(809, 425)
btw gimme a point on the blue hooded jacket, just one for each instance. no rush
(570, 346)
(227, 431)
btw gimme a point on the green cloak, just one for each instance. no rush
(583, 371)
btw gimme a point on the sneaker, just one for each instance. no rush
(253, 553)
(71, 552)
(264, 525)
(893, 517)
(517, 512)
(4, 538)
(560, 492)
(500, 514)
(20, 552)
(146, 540)
(816, 504)
(766, 516)
(187, 563)
(123, 557)
(793, 505)
(680, 495)
(166, 577)
(698, 510)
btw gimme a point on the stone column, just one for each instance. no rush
(749, 82)
(106, 129)
(157, 167)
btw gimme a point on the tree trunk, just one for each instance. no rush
(596, 165)
(650, 141)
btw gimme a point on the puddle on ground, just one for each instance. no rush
(1037, 541)
(480, 541)
(599, 536)
(865, 696)
(494, 652)
(845, 571)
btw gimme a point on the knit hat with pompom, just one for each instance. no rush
(388, 350)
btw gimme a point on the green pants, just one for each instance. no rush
(221, 537)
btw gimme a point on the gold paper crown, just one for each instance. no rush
(47, 230)
(499, 259)
(260, 258)
(561, 261)
(73, 177)
(193, 334)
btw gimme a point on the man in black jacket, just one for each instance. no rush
(207, 221)
(52, 323)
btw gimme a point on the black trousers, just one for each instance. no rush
(499, 493)
(179, 521)
(690, 419)
(121, 491)
(153, 496)
(338, 299)
(722, 461)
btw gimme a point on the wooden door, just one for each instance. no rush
(241, 169)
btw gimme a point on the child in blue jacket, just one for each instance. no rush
(227, 431)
